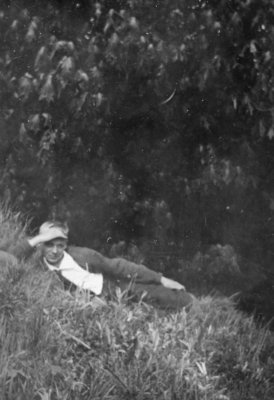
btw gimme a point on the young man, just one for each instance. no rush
(89, 270)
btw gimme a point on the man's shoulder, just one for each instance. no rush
(79, 250)
(83, 255)
(90, 258)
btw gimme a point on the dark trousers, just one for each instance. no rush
(160, 296)
(157, 295)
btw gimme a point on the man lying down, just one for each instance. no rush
(89, 270)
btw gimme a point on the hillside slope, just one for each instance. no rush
(54, 345)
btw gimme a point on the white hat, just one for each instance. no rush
(60, 230)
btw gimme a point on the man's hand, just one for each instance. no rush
(171, 284)
(48, 235)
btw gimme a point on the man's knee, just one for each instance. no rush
(166, 298)
(184, 299)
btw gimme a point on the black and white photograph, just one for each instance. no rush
(136, 200)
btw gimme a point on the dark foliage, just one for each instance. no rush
(260, 302)
(141, 121)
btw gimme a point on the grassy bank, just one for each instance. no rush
(57, 346)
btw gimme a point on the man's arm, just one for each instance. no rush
(119, 268)
(142, 274)
(21, 249)
(25, 247)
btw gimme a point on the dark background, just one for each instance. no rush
(148, 126)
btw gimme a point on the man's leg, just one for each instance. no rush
(160, 296)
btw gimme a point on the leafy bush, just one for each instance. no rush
(148, 120)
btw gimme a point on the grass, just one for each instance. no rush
(54, 345)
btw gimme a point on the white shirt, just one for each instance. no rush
(72, 271)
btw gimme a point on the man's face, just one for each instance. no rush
(53, 250)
